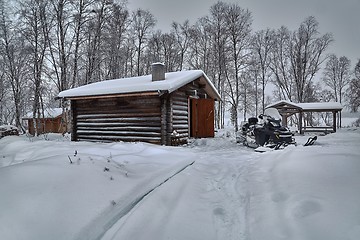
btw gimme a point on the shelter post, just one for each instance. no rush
(334, 121)
(300, 122)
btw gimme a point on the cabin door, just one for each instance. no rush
(202, 118)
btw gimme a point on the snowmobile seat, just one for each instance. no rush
(252, 121)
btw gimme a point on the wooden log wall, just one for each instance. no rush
(117, 119)
(180, 118)
(155, 119)
(180, 111)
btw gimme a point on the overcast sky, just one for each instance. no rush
(340, 17)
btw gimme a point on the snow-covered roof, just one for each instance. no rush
(48, 113)
(173, 81)
(320, 105)
(309, 106)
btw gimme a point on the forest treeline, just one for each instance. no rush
(47, 46)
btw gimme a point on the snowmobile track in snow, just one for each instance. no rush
(99, 226)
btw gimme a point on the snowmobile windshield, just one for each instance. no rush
(273, 112)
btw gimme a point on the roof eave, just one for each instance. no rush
(150, 93)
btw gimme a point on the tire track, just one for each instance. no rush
(99, 226)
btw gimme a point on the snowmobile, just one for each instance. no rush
(267, 133)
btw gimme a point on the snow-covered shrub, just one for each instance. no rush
(356, 123)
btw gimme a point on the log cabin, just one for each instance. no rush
(51, 121)
(161, 108)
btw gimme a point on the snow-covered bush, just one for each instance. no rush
(7, 130)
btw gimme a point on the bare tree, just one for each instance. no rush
(217, 28)
(238, 24)
(296, 58)
(307, 50)
(80, 16)
(35, 27)
(280, 64)
(182, 36)
(337, 75)
(262, 44)
(114, 41)
(163, 47)
(13, 62)
(354, 89)
(142, 23)
(200, 46)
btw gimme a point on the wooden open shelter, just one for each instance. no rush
(287, 109)
(161, 108)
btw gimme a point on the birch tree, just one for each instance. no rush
(142, 23)
(181, 33)
(262, 44)
(337, 75)
(354, 89)
(35, 27)
(13, 59)
(307, 50)
(116, 29)
(217, 27)
(238, 23)
(280, 64)
(296, 58)
(200, 46)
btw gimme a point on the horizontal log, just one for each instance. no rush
(180, 113)
(179, 126)
(119, 124)
(120, 104)
(178, 117)
(180, 107)
(180, 103)
(120, 138)
(177, 122)
(111, 96)
(118, 111)
(118, 133)
(119, 116)
(119, 100)
(124, 128)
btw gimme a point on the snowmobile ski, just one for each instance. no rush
(310, 141)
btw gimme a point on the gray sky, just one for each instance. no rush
(340, 17)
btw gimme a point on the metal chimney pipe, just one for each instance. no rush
(158, 71)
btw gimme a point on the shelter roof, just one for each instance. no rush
(314, 106)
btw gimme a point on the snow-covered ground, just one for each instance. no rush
(210, 189)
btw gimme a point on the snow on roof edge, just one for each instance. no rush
(173, 81)
(48, 113)
(310, 106)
